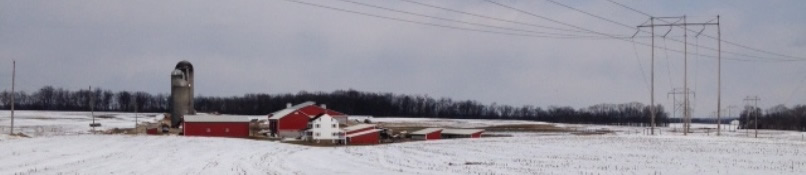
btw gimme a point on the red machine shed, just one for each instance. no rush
(216, 126)
(427, 134)
(367, 137)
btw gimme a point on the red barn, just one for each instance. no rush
(462, 133)
(366, 137)
(427, 134)
(216, 126)
(291, 121)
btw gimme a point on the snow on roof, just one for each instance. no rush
(320, 116)
(462, 131)
(363, 132)
(214, 118)
(283, 112)
(426, 131)
(358, 127)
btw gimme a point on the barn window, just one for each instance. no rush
(208, 129)
(226, 129)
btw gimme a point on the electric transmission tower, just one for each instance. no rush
(684, 24)
(679, 106)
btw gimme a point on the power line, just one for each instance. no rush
(632, 27)
(435, 25)
(492, 18)
(709, 36)
(459, 21)
(640, 65)
(600, 33)
(500, 32)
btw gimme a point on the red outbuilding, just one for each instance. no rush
(358, 128)
(216, 126)
(291, 121)
(367, 137)
(462, 133)
(427, 134)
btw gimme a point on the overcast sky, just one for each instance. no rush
(278, 46)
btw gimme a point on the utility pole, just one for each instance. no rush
(652, 103)
(135, 114)
(13, 81)
(755, 100)
(719, 78)
(92, 109)
(686, 110)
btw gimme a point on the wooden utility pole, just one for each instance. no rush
(718, 78)
(755, 100)
(686, 110)
(135, 114)
(92, 110)
(13, 81)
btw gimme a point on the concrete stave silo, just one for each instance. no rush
(181, 92)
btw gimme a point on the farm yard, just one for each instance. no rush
(71, 149)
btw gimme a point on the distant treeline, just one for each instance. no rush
(347, 101)
(777, 117)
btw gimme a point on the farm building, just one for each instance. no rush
(462, 133)
(358, 128)
(365, 137)
(216, 126)
(293, 120)
(324, 127)
(427, 134)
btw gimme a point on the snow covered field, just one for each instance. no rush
(619, 153)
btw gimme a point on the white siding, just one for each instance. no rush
(325, 128)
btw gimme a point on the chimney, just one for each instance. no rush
(323, 106)
(288, 105)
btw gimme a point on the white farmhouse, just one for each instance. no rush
(324, 127)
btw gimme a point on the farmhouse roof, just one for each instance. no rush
(320, 116)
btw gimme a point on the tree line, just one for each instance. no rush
(348, 101)
(777, 117)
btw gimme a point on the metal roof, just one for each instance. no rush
(426, 131)
(216, 118)
(363, 132)
(462, 131)
(358, 127)
(283, 112)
